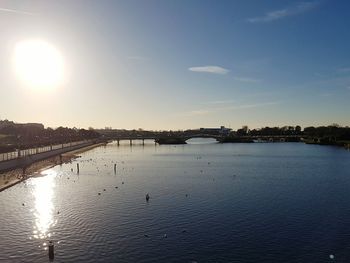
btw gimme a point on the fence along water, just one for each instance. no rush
(32, 151)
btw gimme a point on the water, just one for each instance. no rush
(277, 202)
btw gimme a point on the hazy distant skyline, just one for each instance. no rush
(182, 64)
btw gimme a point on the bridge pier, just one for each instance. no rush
(118, 142)
(130, 142)
(143, 142)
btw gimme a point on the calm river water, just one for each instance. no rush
(261, 202)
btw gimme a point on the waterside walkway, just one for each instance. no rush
(18, 165)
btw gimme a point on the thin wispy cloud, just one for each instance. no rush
(232, 107)
(198, 112)
(344, 70)
(210, 69)
(243, 79)
(274, 15)
(337, 81)
(6, 10)
(223, 101)
(255, 105)
(138, 58)
(216, 102)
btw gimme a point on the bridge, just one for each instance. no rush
(203, 135)
(133, 138)
(181, 137)
(161, 138)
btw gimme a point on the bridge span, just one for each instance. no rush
(181, 139)
(161, 139)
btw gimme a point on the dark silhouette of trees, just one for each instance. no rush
(276, 131)
(34, 135)
(331, 134)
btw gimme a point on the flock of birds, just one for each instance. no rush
(95, 163)
(147, 196)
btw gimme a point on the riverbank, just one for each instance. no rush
(15, 176)
(344, 144)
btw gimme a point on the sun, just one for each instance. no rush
(38, 64)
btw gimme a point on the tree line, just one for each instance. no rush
(22, 136)
(332, 134)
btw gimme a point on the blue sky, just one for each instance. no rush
(183, 64)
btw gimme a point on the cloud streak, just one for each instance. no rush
(274, 15)
(210, 69)
(138, 58)
(252, 106)
(216, 102)
(15, 11)
(198, 112)
(232, 107)
(250, 80)
(344, 70)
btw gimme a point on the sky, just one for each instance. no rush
(181, 64)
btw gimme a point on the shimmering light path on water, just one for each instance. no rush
(277, 202)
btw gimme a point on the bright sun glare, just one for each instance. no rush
(38, 64)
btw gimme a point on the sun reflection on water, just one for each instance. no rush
(43, 194)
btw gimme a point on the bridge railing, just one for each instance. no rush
(32, 151)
